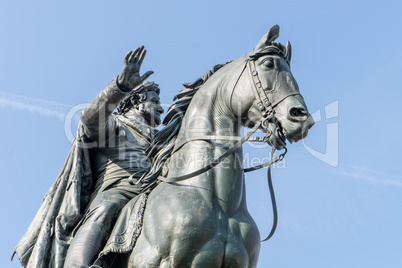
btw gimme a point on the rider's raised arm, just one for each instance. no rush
(96, 115)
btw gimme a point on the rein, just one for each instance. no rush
(223, 157)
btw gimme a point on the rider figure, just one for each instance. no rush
(119, 156)
(121, 140)
(99, 176)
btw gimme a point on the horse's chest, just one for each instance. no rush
(200, 232)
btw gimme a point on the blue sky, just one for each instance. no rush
(339, 193)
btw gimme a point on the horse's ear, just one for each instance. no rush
(288, 55)
(269, 37)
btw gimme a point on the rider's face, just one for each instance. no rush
(151, 109)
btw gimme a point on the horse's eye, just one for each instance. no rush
(268, 62)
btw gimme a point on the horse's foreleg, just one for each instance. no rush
(243, 242)
(144, 255)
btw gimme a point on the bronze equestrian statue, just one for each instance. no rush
(192, 210)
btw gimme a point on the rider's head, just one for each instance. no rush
(143, 102)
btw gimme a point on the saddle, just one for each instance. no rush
(126, 231)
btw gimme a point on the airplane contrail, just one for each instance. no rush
(371, 175)
(32, 105)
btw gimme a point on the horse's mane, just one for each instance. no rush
(163, 143)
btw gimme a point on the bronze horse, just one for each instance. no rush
(201, 219)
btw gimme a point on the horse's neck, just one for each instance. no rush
(208, 130)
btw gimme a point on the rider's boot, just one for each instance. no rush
(87, 244)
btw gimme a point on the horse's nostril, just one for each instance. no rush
(297, 112)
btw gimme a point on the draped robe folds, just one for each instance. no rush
(49, 235)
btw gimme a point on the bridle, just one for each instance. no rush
(267, 110)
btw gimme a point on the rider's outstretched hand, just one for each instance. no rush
(130, 75)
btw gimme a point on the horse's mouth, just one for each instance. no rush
(276, 136)
(281, 137)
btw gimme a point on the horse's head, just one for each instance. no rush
(269, 94)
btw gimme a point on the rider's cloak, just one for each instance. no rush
(46, 241)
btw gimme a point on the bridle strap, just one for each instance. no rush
(263, 103)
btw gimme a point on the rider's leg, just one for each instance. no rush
(92, 235)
